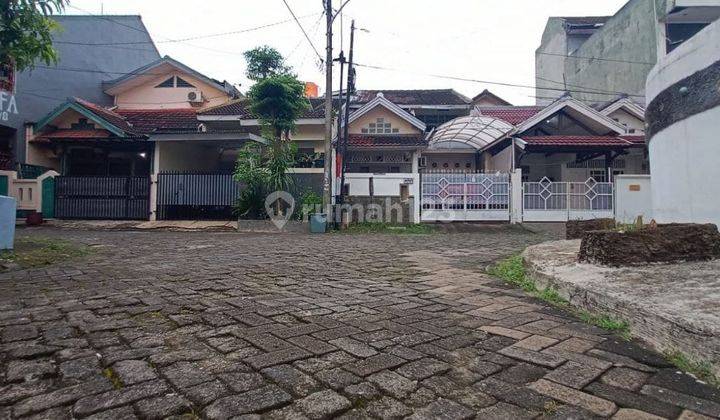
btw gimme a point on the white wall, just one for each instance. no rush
(683, 157)
(633, 198)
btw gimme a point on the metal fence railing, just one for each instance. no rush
(102, 197)
(546, 195)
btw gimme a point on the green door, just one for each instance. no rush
(48, 197)
(4, 181)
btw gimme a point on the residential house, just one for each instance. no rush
(614, 54)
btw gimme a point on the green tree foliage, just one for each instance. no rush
(263, 62)
(26, 31)
(278, 101)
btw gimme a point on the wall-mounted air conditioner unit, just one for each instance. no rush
(195, 96)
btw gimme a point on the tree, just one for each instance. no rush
(26, 31)
(263, 62)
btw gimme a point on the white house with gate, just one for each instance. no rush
(499, 163)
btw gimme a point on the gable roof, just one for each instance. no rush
(626, 104)
(116, 85)
(107, 119)
(512, 114)
(238, 109)
(578, 108)
(415, 97)
(154, 121)
(576, 141)
(487, 95)
(380, 100)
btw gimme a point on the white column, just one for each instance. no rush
(516, 196)
(153, 182)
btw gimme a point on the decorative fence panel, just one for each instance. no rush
(99, 197)
(465, 197)
(196, 195)
(548, 201)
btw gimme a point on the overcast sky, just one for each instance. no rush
(491, 40)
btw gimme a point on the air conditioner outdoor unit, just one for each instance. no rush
(195, 96)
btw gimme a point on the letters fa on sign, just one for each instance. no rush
(8, 105)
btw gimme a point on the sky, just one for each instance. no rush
(485, 40)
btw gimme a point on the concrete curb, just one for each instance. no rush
(662, 332)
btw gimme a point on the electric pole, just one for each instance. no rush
(328, 178)
(350, 89)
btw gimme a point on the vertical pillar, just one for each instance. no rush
(154, 170)
(516, 196)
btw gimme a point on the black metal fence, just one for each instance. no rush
(187, 195)
(102, 197)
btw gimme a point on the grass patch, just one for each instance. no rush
(701, 369)
(40, 252)
(112, 376)
(389, 228)
(512, 271)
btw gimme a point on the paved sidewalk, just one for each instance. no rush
(218, 325)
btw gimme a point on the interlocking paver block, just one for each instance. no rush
(443, 408)
(393, 384)
(423, 368)
(259, 399)
(354, 347)
(572, 396)
(374, 364)
(291, 379)
(323, 404)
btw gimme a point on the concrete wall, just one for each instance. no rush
(550, 67)
(185, 156)
(633, 198)
(683, 154)
(632, 34)
(629, 121)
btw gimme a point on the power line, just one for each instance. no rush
(463, 79)
(303, 31)
(124, 103)
(614, 60)
(192, 38)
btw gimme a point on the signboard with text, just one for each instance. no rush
(8, 105)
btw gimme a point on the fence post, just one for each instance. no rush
(153, 197)
(516, 197)
(46, 184)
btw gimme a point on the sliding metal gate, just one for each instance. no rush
(183, 195)
(102, 197)
(465, 197)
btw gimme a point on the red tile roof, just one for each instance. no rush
(635, 139)
(576, 141)
(110, 116)
(148, 121)
(514, 115)
(362, 141)
(239, 108)
(414, 97)
(75, 134)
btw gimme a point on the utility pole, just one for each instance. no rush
(338, 145)
(327, 178)
(350, 89)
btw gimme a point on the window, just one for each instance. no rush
(167, 84)
(174, 82)
(380, 127)
(394, 169)
(182, 83)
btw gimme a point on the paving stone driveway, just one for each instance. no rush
(216, 325)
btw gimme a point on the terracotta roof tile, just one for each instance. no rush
(635, 139)
(576, 141)
(110, 116)
(147, 121)
(362, 141)
(514, 115)
(239, 108)
(76, 134)
(414, 97)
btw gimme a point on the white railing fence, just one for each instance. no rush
(558, 201)
(465, 196)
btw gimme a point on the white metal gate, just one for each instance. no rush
(465, 197)
(548, 201)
